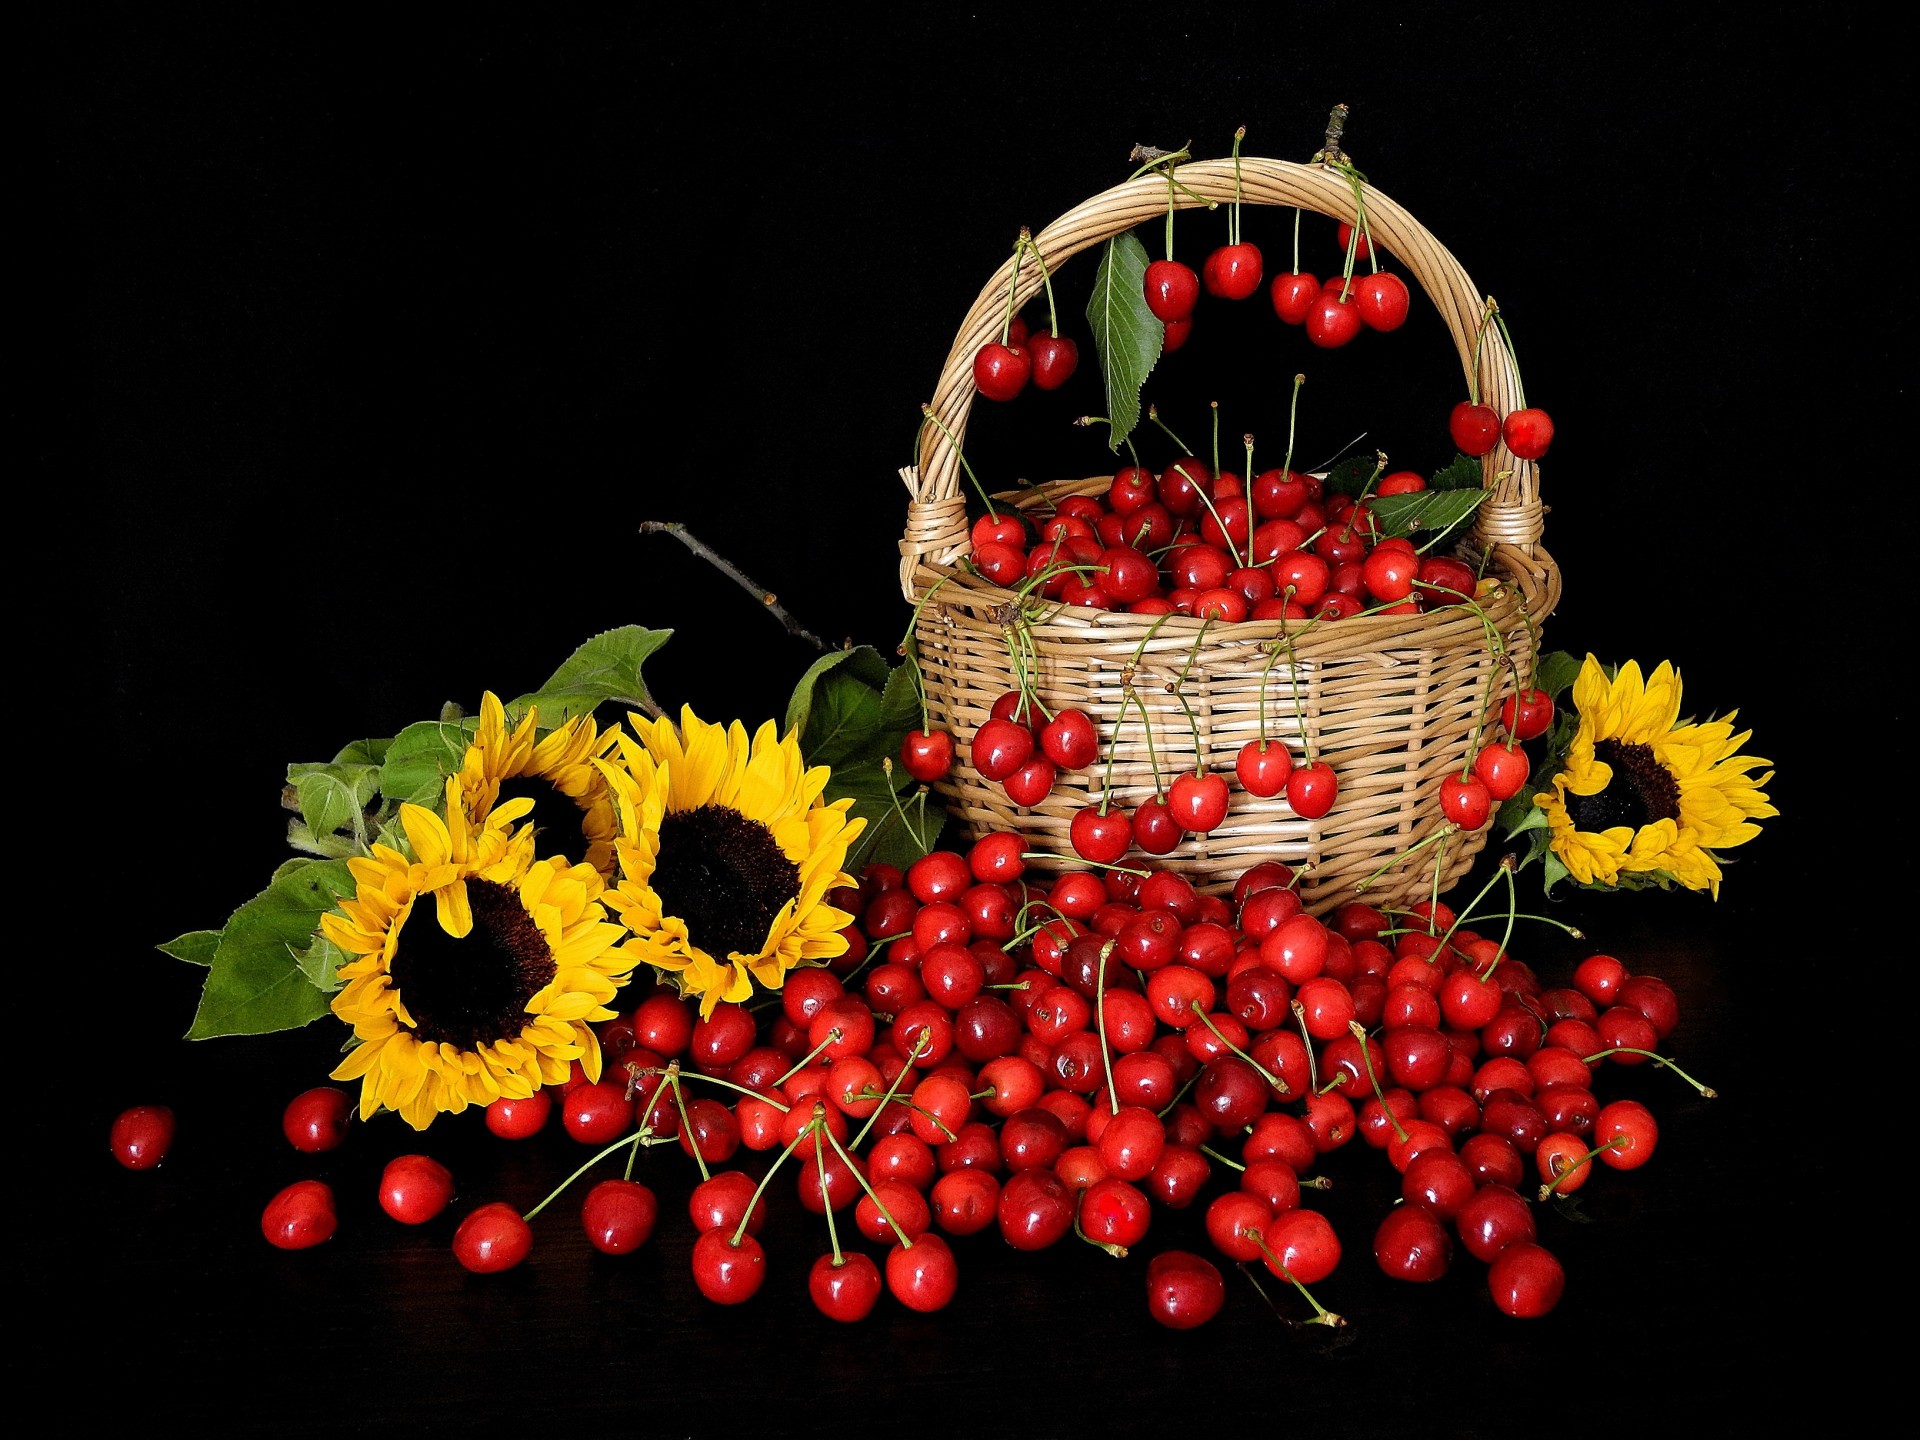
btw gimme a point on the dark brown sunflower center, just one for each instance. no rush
(473, 990)
(1642, 791)
(558, 827)
(725, 876)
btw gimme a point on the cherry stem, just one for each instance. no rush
(1100, 1015)
(1321, 1315)
(1306, 1035)
(1407, 854)
(1562, 1172)
(1460, 918)
(686, 1126)
(813, 1126)
(1296, 240)
(1167, 1109)
(965, 464)
(1233, 219)
(820, 1165)
(1199, 1011)
(1366, 1059)
(920, 1043)
(833, 1036)
(1127, 440)
(1273, 654)
(909, 650)
(1660, 1062)
(1013, 282)
(1214, 1154)
(906, 1241)
(1046, 279)
(1193, 722)
(1119, 1252)
(1293, 685)
(1519, 385)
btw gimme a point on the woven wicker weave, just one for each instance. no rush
(1390, 701)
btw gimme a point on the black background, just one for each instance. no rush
(374, 342)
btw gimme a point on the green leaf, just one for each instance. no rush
(900, 829)
(1127, 335)
(1556, 672)
(196, 947)
(837, 710)
(320, 962)
(900, 704)
(420, 759)
(1350, 476)
(333, 796)
(1422, 510)
(1460, 473)
(327, 847)
(363, 752)
(606, 668)
(255, 983)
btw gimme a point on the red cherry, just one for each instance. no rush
(1070, 740)
(1331, 321)
(1031, 783)
(415, 1188)
(619, 1215)
(1475, 428)
(846, 1289)
(1412, 1243)
(1493, 1218)
(1172, 289)
(141, 1135)
(1362, 247)
(1055, 357)
(1001, 747)
(728, 1273)
(1233, 272)
(1199, 802)
(1001, 372)
(1132, 488)
(1503, 770)
(1527, 432)
(1305, 1243)
(518, 1118)
(1627, 1129)
(1183, 1289)
(1383, 302)
(1526, 1280)
(1293, 295)
(1101, 836)
(1155, 830)
(1465, 800)
(927, 755)
(316, 1120)
(1528, 714)
(1389, 573)
(1312, 789)
(300, 1216)
(1176, 334)
(923, 1277)
(1263, 767)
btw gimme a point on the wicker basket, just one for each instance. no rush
(1392, 702)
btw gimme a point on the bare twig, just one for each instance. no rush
(733, 572)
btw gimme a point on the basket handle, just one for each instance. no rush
(937, 527)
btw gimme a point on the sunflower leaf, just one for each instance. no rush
(334, 796)
(606, 668)
(1422, 510)
(320, 962)
(1127, 336)
(1556, 672)
(255, 983)
(838, 707)
(420, 759)
(900, 829)
(363, 752)
(196, 947)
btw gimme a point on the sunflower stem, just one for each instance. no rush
(739, 577)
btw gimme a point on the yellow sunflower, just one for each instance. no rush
(1642, 795)
(492, 992)
(572, 810)
(726, 856)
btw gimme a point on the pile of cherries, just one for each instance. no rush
(1060, 1063)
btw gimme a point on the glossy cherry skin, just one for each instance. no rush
(1001, 372)
(1526, 1280)
(1069, 739)
(1412, 1243)
(1199, 802)
(1503, 769)
(1304, 1242)
(316, 1120)
(845, 1290)
(1332, 322)
(300, 1216)
(1001, 747)
(1493, 1218)
(1628, 1130)
(1466, 800)
(1172, 290)
(1527, 432)
(1263, 767)
(927, 755)
(415, 1188)
(141, 1135)
(1055, 358)
(1383, 301)
(1475, 428)
(925, 1276)
(1184, 1290)
(1527, 715)
(1233, 272)
(1293, 294)
(728, 1274)
(1100, 837)
(1312, 789)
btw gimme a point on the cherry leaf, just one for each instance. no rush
(1127, 336)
